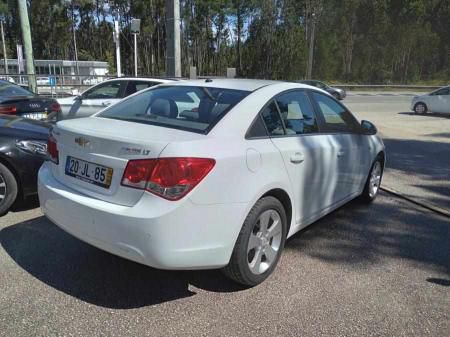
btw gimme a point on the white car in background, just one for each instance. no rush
(43, 80)
(104, 94)
(437, 101)
(221, 185)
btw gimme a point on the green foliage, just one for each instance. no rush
(358, 41)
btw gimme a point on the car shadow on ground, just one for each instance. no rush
(359, 236)
(94, 276)
(25, 205)
(354, 234)
(428, 114)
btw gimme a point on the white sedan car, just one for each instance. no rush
(437, 101)
(102, 95)
(219, 181)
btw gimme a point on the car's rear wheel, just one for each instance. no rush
(336, 95)
(420, 108)
(259, 244)
(8, 189)
(373, 182)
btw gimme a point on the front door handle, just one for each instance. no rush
(340, 153)
(106, 103)
(297, 158)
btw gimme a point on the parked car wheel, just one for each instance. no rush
(336, 95)
(373, 182)
(8, 189)
(420, 108)
(259, 244)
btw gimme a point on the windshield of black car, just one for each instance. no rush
(7, 90)
(189, 108)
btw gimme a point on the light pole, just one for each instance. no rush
(135, 30)
(26, 37)
(116, 36)
(173, 64)
(5, 58)
(311, 46)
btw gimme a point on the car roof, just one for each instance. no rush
(156, 79)
(228, 83)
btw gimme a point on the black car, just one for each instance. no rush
(23, 149)
(17, 100)
(337, 93)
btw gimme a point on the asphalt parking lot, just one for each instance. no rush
(379, 270)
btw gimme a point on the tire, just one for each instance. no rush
(373, 182)
(8, 189)
(268, 244)
(420, 108)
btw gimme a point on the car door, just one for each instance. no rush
(440, 101)
(343, 131)
(293, 127)
(97, 98)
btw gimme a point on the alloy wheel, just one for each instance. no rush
(264, 242)
(375, 179)
(3, 188)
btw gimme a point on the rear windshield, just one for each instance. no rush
(188, 108)
(7, 89)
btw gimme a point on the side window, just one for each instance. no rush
(135, 86)
(272, 120)
(335, 116)
(444, 91)
(297, 113)
(104, 91)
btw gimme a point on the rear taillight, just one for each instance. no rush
(170, 178)
(8, 109)
(55, 107)
(52, 150)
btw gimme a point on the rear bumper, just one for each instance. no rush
(155, 232)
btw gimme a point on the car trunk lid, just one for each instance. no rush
(109, 144)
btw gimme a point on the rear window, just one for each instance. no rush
(13, 90)
(188, 108)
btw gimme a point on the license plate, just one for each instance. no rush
(89, 172)
(37, 115)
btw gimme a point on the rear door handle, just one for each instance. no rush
(297, 158)
(106, 103)
(340, 153)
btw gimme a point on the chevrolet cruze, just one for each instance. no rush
(208, 174)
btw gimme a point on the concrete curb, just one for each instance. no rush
(429, 207)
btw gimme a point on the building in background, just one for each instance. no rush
(64, 70)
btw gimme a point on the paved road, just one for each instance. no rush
(382, 270)
(418, 146)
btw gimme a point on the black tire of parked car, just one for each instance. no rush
(238, 268)
(8, 189)
(336, 95)
(420, 108)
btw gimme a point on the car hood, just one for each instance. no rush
(66, 100)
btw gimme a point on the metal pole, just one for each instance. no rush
(26, 37)
(173, 58)
(117, 41)
(5, 58)
(135, 56)
(311, 47)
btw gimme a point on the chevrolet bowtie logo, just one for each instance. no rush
(83, 142)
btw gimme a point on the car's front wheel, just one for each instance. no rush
(259, 244)
(373, 182)
(420, 108)
(8, 189)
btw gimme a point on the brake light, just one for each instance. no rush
(52, 150)
(8, 109)
(55, 107)
(169, 178)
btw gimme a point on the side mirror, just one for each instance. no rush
(368, 128)
(78, 98)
